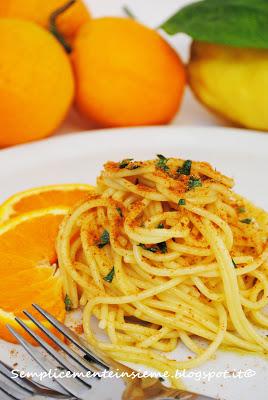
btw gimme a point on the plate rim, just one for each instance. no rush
(239, 133)
(253, 140)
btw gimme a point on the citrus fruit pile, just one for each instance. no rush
(29, 223)
(117, 71)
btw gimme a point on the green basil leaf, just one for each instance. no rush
(110, 276)
(162, 247)
(124, 163)
(186, 168)
(104, 239)
(162, 162)
(68, 303)
(238, 23)
(234, 264)
(246, 221)
(194, 183)
(119, 210)
(152, 249)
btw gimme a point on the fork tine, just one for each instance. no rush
(73, 386)
(56, 355)
(5, 371)
(63, 346)
(12, 390)
(72, 337)
(30, 386)
(6, 396)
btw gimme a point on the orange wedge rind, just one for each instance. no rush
(43, 197)
(28, 270)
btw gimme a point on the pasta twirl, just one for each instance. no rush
(163, 253)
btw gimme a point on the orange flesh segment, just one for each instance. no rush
(27, 252)
(25, 279)
(10, 263)
(49, 199)
(32, 239)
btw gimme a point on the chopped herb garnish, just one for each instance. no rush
(181, 202)
(194, 182)
(104, 239)
(68, 303)
(161, 379)
(162, 162)
(133, 166)
(160, 226)
(246, 221)
(241, 210)
(186, 168)
(162, 247)
(110, 276)
(161, 157)
(153, 249)
(234, 264)
(124, 163)
(118, 209)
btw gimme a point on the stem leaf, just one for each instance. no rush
(238, 23)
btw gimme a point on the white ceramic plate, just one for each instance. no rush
(79, 158)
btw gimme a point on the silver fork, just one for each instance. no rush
(86, 362)
(22, 388)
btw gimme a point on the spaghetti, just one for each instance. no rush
(164, 252)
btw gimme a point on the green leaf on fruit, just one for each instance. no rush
(238, 23)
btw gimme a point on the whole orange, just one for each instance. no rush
(36, 82)
(40, 11)
(126, 74)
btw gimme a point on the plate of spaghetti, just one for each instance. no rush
(166, 261)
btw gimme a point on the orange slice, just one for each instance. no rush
(43, 197)
(27, 269)
(31, 236)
